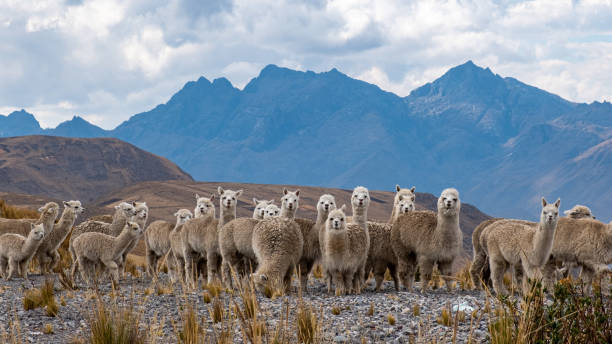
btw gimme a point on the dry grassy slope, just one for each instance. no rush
(77, 168)
(164, 198)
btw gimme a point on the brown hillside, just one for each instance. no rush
(77, 168)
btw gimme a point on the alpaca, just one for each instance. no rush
(277, 243)
(47, 254)
(157, 240)
(271, 210)
(140, 217)
(235, 244)
(360, 201)
(201, 237)
(123, 212)
(426, 238)
(510, 243)
(344, 252)
(16, 251)
(583, 242)
(289, 203)
(176, 255)
(380, 255)
(48, 214)
(260, 208)
(92, 249)
(579, 212)
(400, 194)
(204, 206)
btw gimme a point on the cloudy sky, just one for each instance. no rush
(107, 60)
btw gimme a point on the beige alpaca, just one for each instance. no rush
(583, 242)
(277, 243)
(360, 201)
(47, 254)
(260, 208)
(140, 217)
(201, 237)
(509, 243)
(289, 203)
(93, 249)
(426, 238)
(401, 194)
(16, 251)
(123, 212)
(204, 206)
(272, 210)
(176, 255)
(48, 214)
(344, 253)
(579, 212)
(380, 255)
(157, 240)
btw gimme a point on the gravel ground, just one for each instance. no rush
(160, 312)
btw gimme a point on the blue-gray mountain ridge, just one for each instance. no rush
(502, 143)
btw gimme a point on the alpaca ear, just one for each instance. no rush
(297, 192)
(413, 188)
(220, 190)
(40, 210)
(558, 203)
(397, 187)
(32, 226)
(116, 207)
(197, 197)
(567, 212)
(544, 203)
(271, 201)
(212, 197)
(343, 207)
(285, 191)
(255, 201)
(238, 193)
(66, 204)
(133, 203)
(176, 214)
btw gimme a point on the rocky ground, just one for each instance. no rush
(353, 318)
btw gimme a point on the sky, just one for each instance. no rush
(108, 60)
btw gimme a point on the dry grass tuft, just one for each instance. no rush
(390, 319)
(371, 309)
(8, 211)
(48, 329)
(116, 325)
(416, 310)
(191, 332)
(41, 297)
(216, 310)
(335, 310)
(307, 324)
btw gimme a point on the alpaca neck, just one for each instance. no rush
(141, 221)
(122, 242)
(29, 247)
(119, 221)
(60, 231)
(226, 215)
(47, 221)
(394, 214)
(542, 243)
(287, 213)
(321, 217)
(360, 216)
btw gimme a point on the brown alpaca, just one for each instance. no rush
(426, 238)
(509, 243)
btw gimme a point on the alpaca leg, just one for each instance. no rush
(394, 275)
(212, 265)
(379, 274)
(55, 260)
(446, 270)
(191, 258)
(477, 269)
(152, 264)
(3, 266)
(202, 268)
(287, 279)
(180, 268)
(548, 275)
(426, 268)
(23, 266)
(498, 268)
(113, 268)
(304, 269)
(356, 279)
(13, 265)
(328, 280)
(338, 278)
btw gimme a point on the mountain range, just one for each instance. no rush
(502, 143)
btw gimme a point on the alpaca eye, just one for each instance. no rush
(342, 219)
(454, 199)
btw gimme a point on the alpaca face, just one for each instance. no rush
(405, 206)
(360, 197)
(449, 202)
(402, 194)
(326, 204)
(291, 199)
(228, 198)
(134, 228)
(204, 205)
(75, 206)
(336, 220)
(260, 208)
(49, 210)
(37, 232)
(182, 216)
(271, 211)
(128, 209)
(550, 212)
(142, 211)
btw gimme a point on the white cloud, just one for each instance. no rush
(107, 60)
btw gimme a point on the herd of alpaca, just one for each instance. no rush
(273, 244)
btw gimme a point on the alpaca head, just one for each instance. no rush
(579, 212)
(271, 211)
(290, 199)
(401, 194)
(360, 197)
(449, 203)
(205, 205)
(336, 220)
(134, 228)
(74, 206)
(260, 208)
(37, 232)
(141, 209)
(228, 198)
(326, 204)
(127, 208)
(182, 216)
(49, 211)
(405, 206)
(550, 212)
